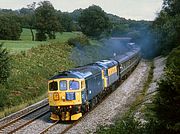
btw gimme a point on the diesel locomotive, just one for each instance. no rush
(73, 93)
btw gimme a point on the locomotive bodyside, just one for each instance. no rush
(110, 72)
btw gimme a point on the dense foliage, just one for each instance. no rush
(167, 26)
(10, 28)
(94, 22)
(168, 97)
(65, 21)
(5, 65)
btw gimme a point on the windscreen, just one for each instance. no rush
(63, 85)
(73, 85)
(53, 86)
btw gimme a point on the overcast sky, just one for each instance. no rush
(129, 9)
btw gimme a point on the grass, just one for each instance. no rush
(26, 42)
(29, 74)
(8, 110)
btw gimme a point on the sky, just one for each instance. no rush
(129, 9)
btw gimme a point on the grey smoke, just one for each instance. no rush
(107, 48)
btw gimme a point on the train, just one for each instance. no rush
(73, 93)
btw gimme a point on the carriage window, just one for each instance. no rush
(63, 85)
(73, 85)
(53, 86)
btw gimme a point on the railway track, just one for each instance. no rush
(25, 119)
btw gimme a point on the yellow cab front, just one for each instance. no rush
(65, 100)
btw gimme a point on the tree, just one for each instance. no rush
(28, 17)
(94, 22)
(66, 21)
(4, 66)
(46, 20)
(167, 26)
(10, 28)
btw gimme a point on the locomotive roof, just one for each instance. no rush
(80, 72)
(106, 63)
(125, 57)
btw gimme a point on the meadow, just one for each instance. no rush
(25, 42)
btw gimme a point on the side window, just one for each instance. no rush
(73, 85)
(53, 86)
(82, 84)
(63, 85)
(106, 72)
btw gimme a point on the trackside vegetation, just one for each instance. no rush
(5, 64)
(30, 71)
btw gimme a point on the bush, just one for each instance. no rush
(41, 36)
(4, 66)
(80, 40)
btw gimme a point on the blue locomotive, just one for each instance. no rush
(73, 93)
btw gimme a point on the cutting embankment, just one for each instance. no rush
(29, 73)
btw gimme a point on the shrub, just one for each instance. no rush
(80, 40)
(41, 36)
(4, 66)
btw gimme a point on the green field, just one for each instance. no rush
(25, 42)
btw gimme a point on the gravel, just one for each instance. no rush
(37, 126)
(116, 104)
(159, 65)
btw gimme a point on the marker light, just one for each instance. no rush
(55, 96)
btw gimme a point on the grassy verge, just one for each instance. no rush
(30, 71)
(8, 110)
(127, 124)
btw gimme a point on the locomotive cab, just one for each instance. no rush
(71, 93)
(65, 99)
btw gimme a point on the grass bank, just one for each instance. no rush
(29, 74)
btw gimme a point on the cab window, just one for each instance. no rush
(73, 85)
(63, 85)
(53, 86)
